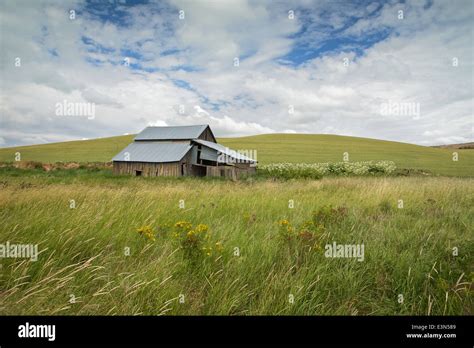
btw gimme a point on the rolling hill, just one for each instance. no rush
(308, 148)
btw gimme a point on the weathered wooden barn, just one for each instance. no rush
(181, 151)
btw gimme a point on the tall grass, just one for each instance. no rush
(83, 267)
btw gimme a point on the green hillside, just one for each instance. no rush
(312, 148)
(309, 148)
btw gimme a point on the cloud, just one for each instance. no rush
(328, 70)
(200, 110)
(93, 96)
(158, 123)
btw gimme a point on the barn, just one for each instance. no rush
(181, 151)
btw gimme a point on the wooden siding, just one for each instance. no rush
(148, 169)
(180, 168)
(229, 171)
(207, 135)
(248, 167)
(186, 160)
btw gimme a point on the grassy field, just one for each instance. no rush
(93, 261)
(255, 246)
(272, 148)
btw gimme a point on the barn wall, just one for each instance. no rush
(148, 169)
(185, 165)
(229, 171)
(246, 167)
(207, 135)
(187, 161)
(193, 155)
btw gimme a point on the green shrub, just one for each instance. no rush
(318, 170)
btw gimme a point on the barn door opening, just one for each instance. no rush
(138, 173)
(198, 170)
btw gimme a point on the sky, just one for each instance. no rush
(400, 71)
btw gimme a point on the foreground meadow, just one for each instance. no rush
(258, 256)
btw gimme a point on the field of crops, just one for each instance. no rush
(132, 245)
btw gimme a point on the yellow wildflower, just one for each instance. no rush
(147, 232)
(201, 228)
(219, 246)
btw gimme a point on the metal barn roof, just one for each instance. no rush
(225, 150)
(171, 133)
(153, 151)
